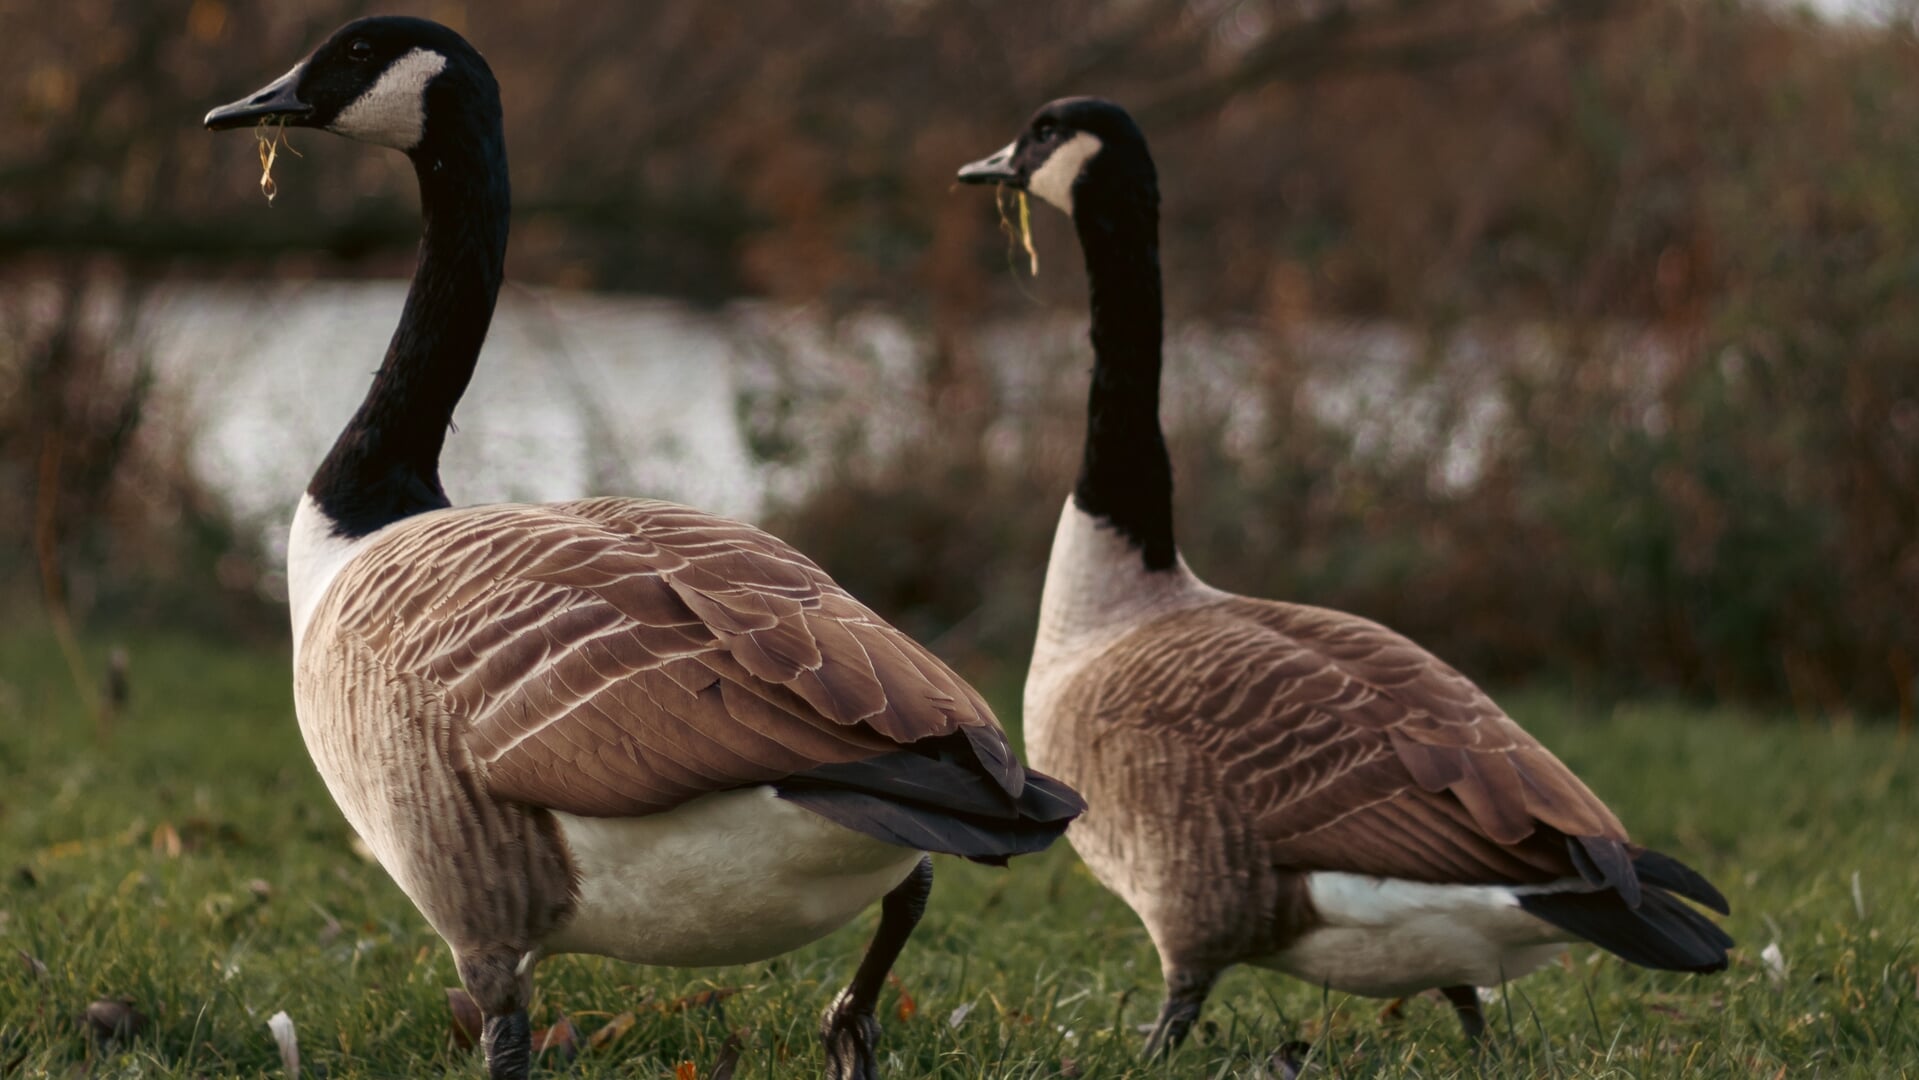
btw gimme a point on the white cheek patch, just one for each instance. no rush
(393, 110)
(1054, 180)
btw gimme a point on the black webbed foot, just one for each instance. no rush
(850, 1035)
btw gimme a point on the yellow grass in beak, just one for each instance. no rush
(1025, 225)
(270, 152)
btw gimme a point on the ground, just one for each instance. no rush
(188, 859)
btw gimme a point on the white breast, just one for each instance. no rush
(1097, 591)
(315, 556)
(1387, 938)
(728, 878)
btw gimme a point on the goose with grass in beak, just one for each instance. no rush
(1274, 784)
(611, 726)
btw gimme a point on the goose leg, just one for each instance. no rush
(850, 1028)
(497, 984)
(1186, 990)
(1465, 1002)
(508, 1042)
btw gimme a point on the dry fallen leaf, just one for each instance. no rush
(614, 1028)
(907, 1006)
(109, 1020)
(281, 1025)
(686, 1070)
(561, 1039)
(166, 840)
(467, 1021)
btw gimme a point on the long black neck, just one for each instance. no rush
(1125, 476)
(386, 463)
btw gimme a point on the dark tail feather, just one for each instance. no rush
(1612, 864)
(1662, 932)
(937, 803)
(1044, 809)
(1671, 874)
(1605, 863)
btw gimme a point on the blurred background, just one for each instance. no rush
(1577, 339)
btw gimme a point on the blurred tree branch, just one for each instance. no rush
(695, 126)
(1727, 502)
(1344, 39)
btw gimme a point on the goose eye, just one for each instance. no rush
(360, 49)
(1044, 130)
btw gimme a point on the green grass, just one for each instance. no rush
(1056, 973)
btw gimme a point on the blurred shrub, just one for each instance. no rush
(1689, 386)
(99, 511)
(1594, 518)
(1654, 420)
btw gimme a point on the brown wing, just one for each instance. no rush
(618, 657)
(1356, 750)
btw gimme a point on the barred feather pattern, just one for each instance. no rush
(409, 784)
(619, 657)
(1230, 748)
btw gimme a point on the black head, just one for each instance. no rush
(1072, 146)
(388, 79)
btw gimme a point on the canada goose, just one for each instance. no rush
(611, 726)
(1270, 783)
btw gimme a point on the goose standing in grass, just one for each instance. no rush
(612, 726)
(1275, 784)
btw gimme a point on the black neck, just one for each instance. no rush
(1125, 476)
(386, 463)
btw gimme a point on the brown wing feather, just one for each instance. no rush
(619, 657)
(1353, 748)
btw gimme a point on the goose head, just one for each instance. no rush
(1072, 150)
(389, 80)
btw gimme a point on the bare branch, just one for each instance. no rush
(1322, 47)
